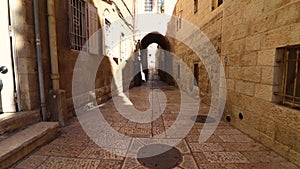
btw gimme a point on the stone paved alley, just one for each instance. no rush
(226, 148)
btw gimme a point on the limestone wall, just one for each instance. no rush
(252, 31)
(68, 57)
(25, 51)
(210, 23)
(247, 35)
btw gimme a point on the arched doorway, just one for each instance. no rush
(163, 43)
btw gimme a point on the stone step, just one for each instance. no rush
(13, 121)
(23, 142)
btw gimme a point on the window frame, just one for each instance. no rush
(77, 26)
(282, 93)
(89, 24)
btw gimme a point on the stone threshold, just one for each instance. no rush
(10, 122)
(21, 143)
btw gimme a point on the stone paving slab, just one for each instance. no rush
(227, 148)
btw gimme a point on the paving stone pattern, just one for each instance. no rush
(227, 148)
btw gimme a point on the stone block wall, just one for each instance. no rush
(68, 57)
(247, 35)
(252, 33)
(25, 51)
(211, 26)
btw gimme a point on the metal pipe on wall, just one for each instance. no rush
(39, 59)
(53, 45)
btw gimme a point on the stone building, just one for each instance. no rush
(73, 23)
(42, 40)
(258, 43)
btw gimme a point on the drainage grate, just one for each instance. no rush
(203, 119)
(166, 160)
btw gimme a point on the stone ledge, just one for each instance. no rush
(13, 121)
(24, 142)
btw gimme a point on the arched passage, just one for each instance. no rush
(163, 43)
(155, 37)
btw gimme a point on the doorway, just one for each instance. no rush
(8, 92)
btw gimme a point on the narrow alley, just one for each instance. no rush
(158, 84)
(227, 148)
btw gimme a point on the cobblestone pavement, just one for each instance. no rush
(226, 148)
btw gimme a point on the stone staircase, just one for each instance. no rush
(21, 133)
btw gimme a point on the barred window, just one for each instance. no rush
(289, 91)
(83, 24)
(78, 24)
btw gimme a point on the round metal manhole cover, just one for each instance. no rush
(166, 160)
(203, 119)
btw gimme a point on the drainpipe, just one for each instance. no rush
(57, 99)
(39, 58)
(53, 45)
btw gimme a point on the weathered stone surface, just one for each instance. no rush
(250, 73)
(225, 157)
(267, 75)
(245, 87)
(24, 142)
(266, 57)
(249, 59)
(264, 92)
(253, 43)
(226, 147)
(13, 121)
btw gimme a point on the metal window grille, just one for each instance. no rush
(291, 77)
(78, 23)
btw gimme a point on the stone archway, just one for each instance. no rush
(163, 42)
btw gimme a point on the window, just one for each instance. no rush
(196, 74)
(195, 6)
(123, 47)
(83, 24)
(107, 34)
(289, 76)
(179, 20)
(78, 29)
(161, 6)
(216, 3)
(178, 71)
(148, 5)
